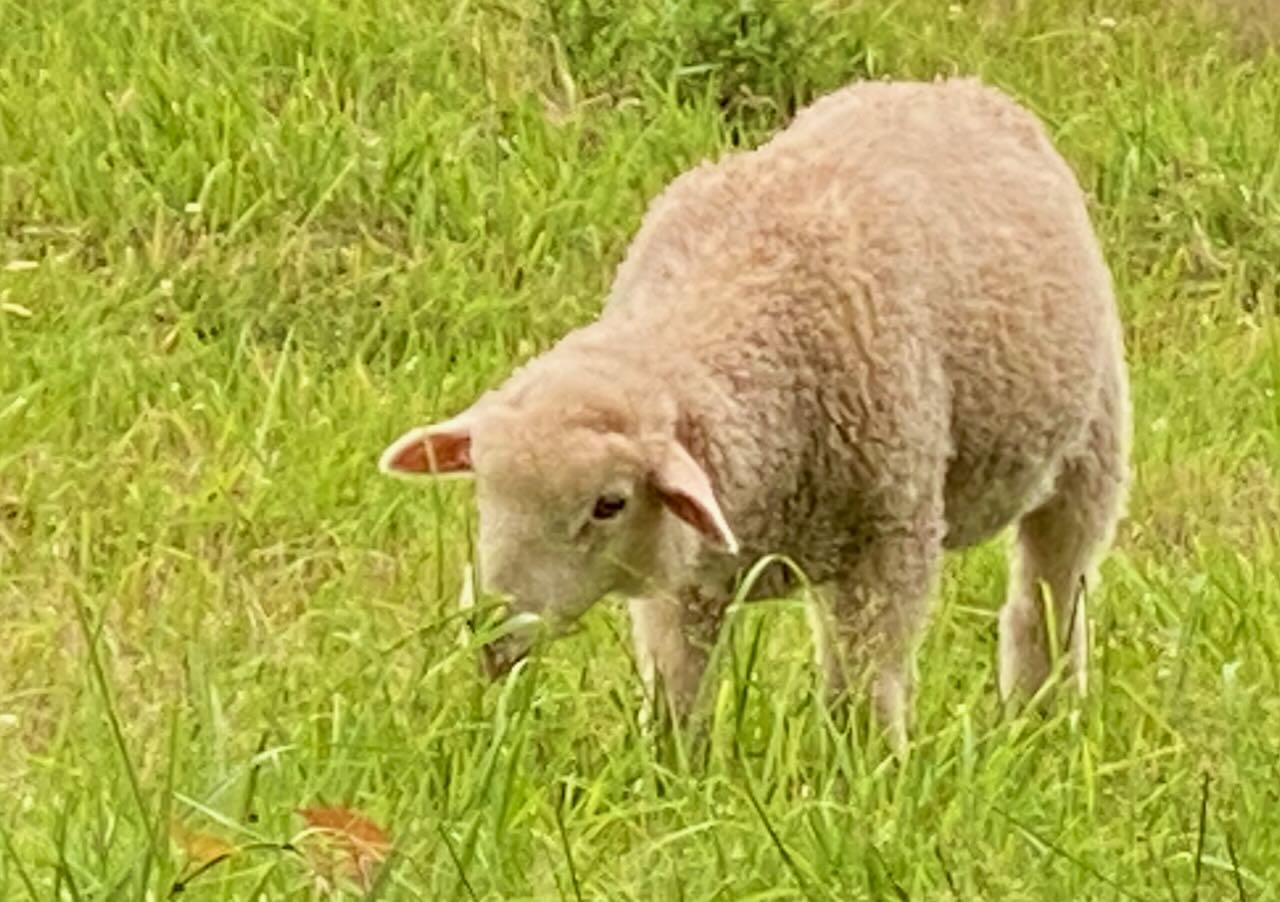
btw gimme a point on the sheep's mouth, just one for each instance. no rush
(498, 657)
(495, 657)
(517, 632)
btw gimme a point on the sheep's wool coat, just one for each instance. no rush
(894, 312)
(886, 332)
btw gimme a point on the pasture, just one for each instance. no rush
(243, 245)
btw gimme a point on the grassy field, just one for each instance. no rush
(244, 244)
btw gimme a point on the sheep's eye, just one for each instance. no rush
(608, 506)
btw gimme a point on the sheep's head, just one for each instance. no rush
(577, 498)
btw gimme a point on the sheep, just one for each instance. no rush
(886, 333)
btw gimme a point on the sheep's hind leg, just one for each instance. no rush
(1057, 546)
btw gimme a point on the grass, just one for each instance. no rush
(243, 245)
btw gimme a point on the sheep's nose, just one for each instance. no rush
(499, 656)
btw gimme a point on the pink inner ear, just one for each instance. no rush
(430, 450)
(686, 492)
(691, 512)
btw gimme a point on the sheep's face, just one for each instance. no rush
(570, 510)
(559, 530)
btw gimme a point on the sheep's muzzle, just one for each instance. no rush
(499, 656)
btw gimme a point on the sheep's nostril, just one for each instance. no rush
(498, 657)
(489, 661)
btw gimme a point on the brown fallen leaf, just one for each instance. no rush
(199, 847)
(363, 843)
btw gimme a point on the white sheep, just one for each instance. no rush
(885, 333)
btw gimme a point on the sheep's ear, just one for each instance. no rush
(442, 449)
(686, 492)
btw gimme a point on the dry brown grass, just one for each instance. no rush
(1255, 22)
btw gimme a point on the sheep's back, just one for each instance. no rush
(943, 207)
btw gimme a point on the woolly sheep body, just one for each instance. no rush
(887, 332)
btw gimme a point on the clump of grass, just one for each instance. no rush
(241, 243)
(757, 60)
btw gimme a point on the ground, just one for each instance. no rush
(243, 245)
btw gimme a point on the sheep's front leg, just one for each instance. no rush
(868, 624)
(673, 639)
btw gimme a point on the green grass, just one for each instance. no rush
(244, 244)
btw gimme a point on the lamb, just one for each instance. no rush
(886, 333)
